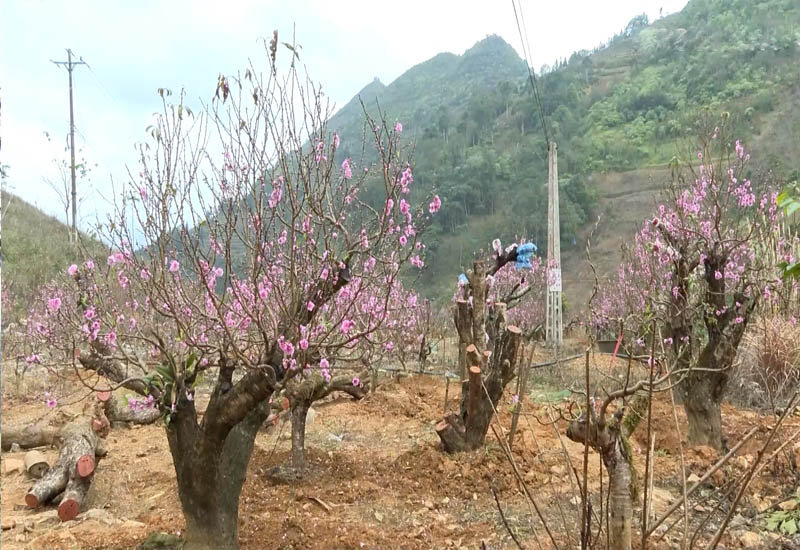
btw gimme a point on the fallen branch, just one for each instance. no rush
(116, 413)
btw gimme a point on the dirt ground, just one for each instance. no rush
(378, 479)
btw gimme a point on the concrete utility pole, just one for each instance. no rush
(554, 329)
(70, 64)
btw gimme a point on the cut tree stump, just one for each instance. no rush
(73, 470)
(36, 465)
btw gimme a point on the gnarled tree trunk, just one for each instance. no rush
(210, 475)
(491, 353)
(611, 440)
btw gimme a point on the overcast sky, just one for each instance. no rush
(132, 48)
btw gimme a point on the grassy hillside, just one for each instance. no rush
(619, 113)
(36, 247)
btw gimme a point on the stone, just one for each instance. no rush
(750, 539)
(558, 470)
(13, 465)
(661, 500)
(693, 478)
(788, 505)
(8, 523)
(99, 515)
(15, 448)
(46, 518)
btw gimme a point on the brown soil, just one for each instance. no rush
(382, 482)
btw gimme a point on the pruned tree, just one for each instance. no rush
(488, 345)
(240, 251)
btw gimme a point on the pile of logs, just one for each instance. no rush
(67, 481)
(81, 444)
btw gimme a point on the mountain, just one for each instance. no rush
(35, 249)
(619, 113)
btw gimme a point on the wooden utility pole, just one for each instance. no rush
(70, 64)
(554, 329)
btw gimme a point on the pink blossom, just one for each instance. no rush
(310, 306)
(324, 274)
(346, 170)
(115, 258)
(144, 274)
(72, 270)
(143, 192)
(356, 381)
(717, 275)
(417, 262)
(275, 196)
(389, 205)
(403, 240)
(324, 364)
(389, 345)
(89, 314)
(303, 344)
(286, 347)
(89, 265)
(335, 140)
(347, 324)
(54, 303)
(398, 127)
(174, 266)
(739, 320)
(434, 206)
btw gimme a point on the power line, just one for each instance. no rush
(531, 74)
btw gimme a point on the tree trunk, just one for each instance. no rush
(299, 412)
(620, 500)
(702, 400)
(210, 478)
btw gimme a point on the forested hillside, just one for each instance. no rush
(619, 114)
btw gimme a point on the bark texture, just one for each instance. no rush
(490, 350)
(610, 439)
(301, 393)
(115, 412)
(28, 436)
